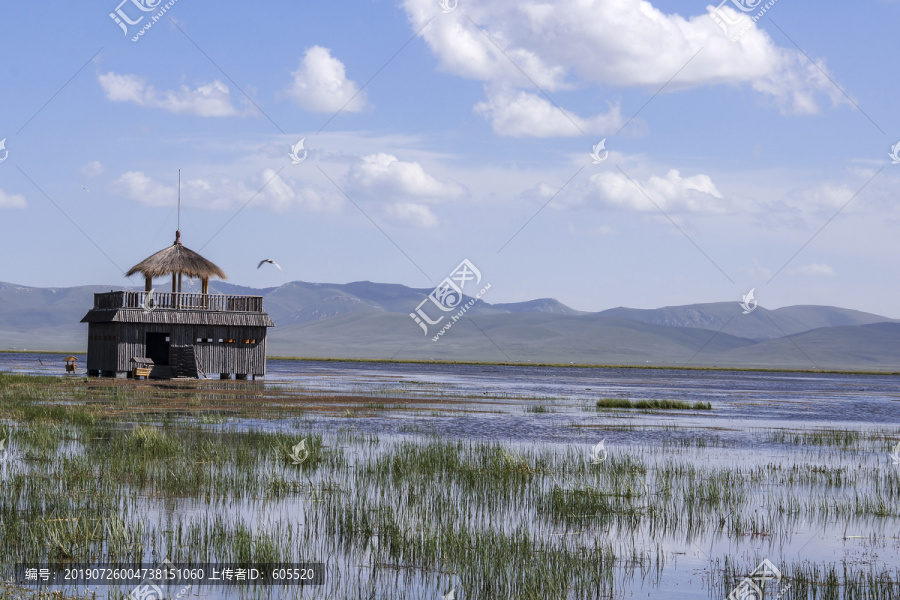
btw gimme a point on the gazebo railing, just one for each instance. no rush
(170, 301)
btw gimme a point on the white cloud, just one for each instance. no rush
(135, 185)
(755, 272)
(12, 200)
(412, 214)
(222, 194)
(670, 193)
(524, 114)
(207, 100)
(385, 175)
(321, 84)
(280, 195)
(465, 51)
(225, 194)
(268, 190)
(93, 169)
(816, 270)
(824, 199)
(624, 43)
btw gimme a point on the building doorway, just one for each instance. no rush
(158, 348)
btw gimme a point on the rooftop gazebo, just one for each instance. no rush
(176, 260)
(179, 334)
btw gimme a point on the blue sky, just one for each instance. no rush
(736, 160)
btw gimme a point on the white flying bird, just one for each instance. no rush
(270, 261)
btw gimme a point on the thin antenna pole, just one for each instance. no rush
(179, 199)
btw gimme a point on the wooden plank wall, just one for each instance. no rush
(112, 345)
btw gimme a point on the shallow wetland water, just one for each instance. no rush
(416, 480)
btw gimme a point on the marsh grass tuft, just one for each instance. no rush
(613, 403)
(820, 437)
(150, 441)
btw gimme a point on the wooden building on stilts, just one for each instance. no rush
(176, 334)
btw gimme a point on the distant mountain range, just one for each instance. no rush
(372, 320)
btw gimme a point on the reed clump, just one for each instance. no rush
(625, 403)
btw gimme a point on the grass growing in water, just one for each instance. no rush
(413, 518)
(652, 404)
(823, 437)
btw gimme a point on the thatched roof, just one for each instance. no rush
(177, 259)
